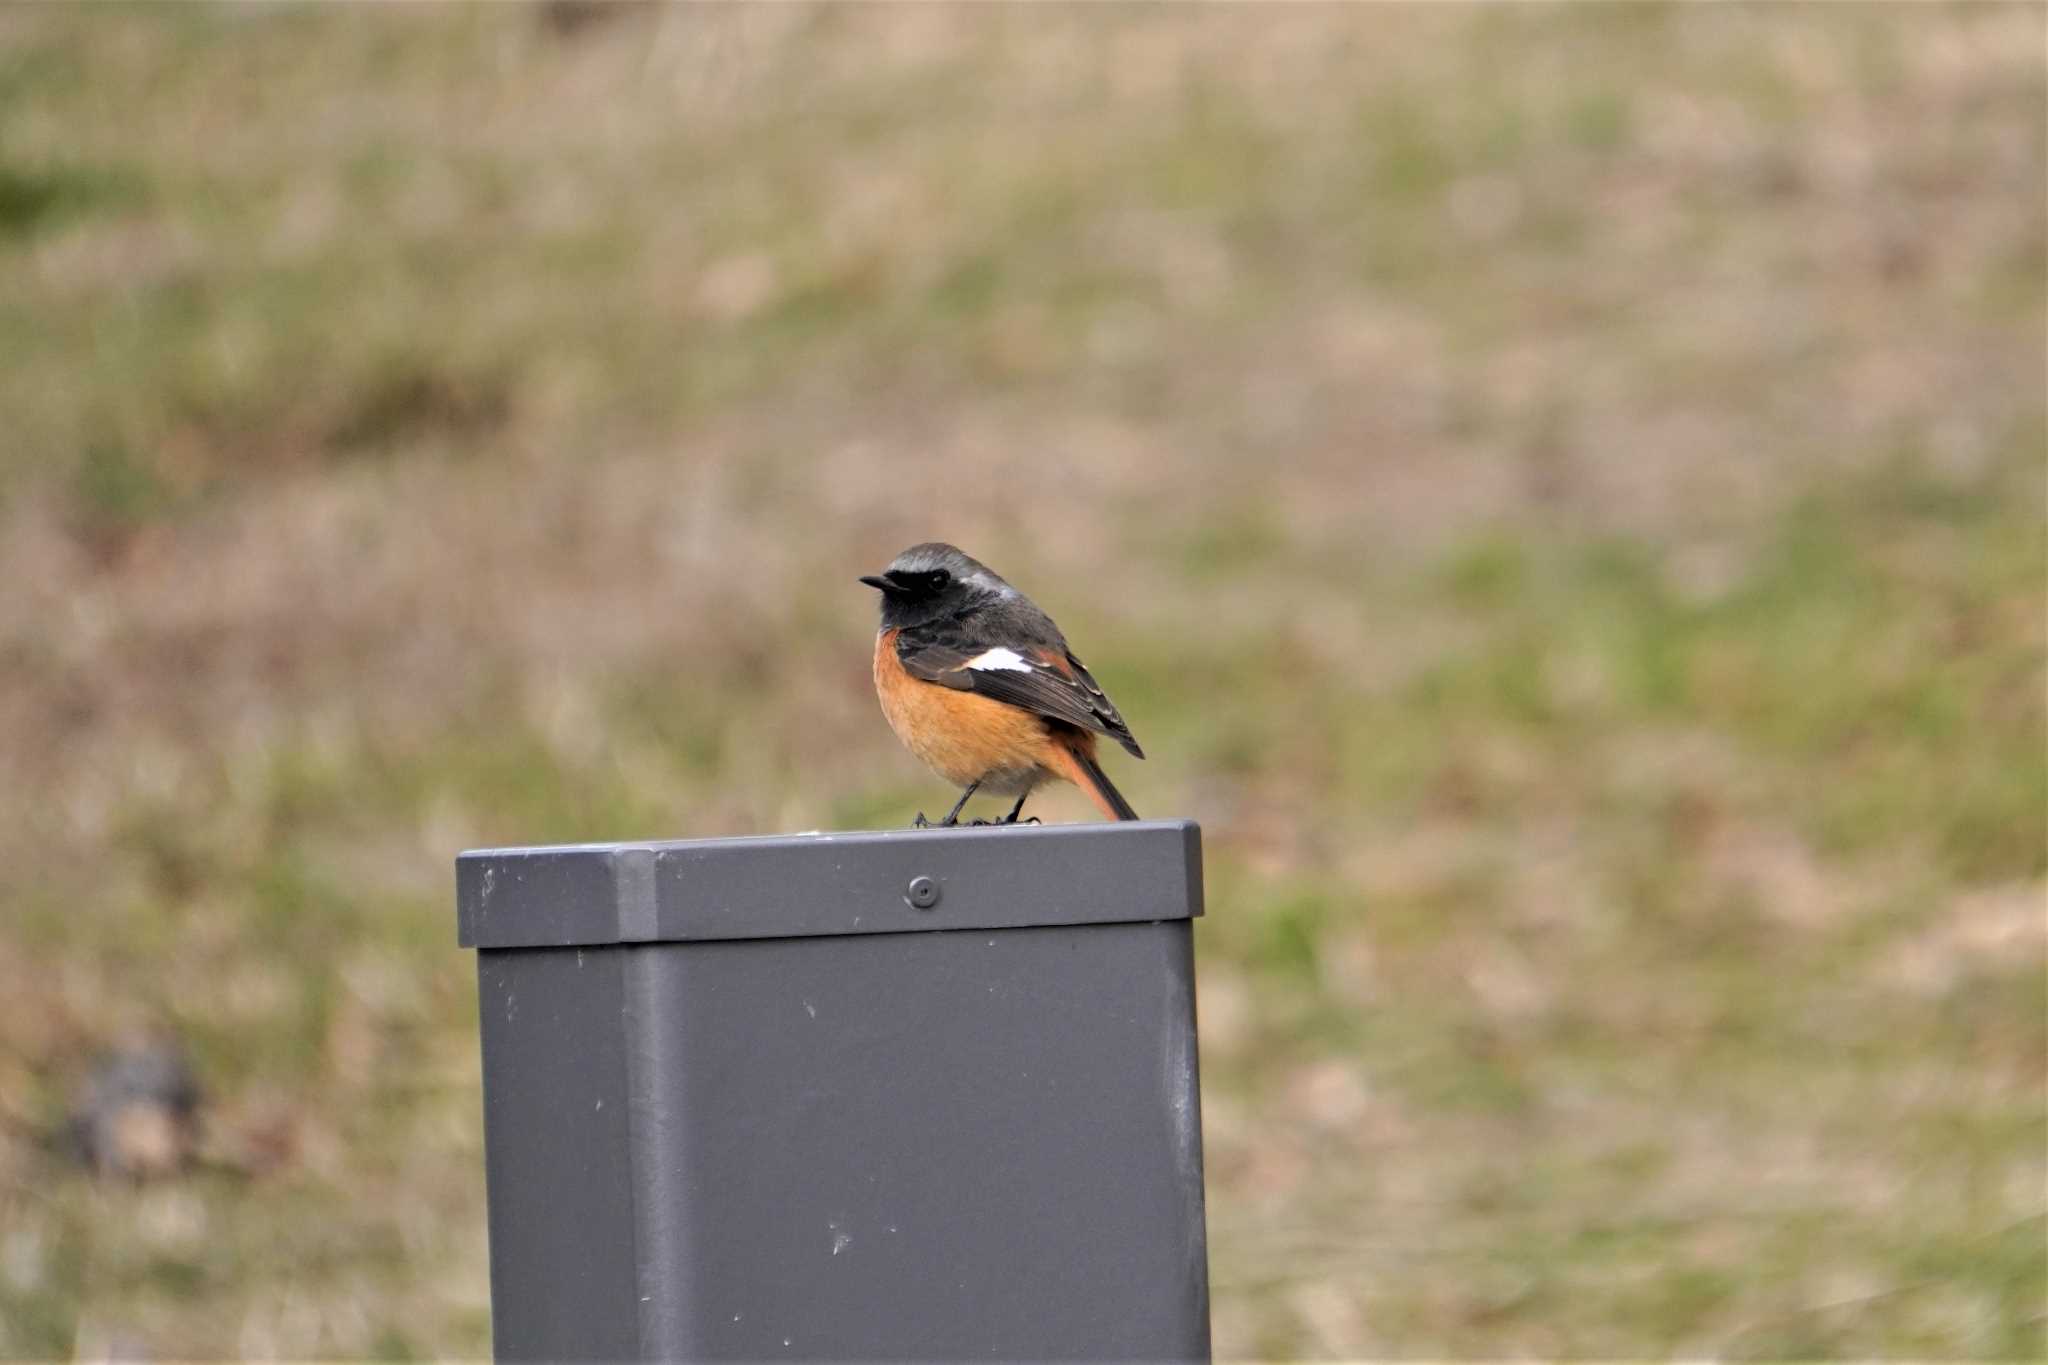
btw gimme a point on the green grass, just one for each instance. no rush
(1558, 493)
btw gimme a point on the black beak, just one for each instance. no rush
(877, 581)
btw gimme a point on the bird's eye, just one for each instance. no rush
(939, 579)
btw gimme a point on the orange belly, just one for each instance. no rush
(961, 736)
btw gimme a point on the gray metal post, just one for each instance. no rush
(919, 1095)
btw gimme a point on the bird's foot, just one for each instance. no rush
(920, 822)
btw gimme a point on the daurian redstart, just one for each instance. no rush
(980, 684)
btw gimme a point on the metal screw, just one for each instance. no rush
(922, 893)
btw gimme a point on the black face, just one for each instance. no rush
(914, 596)
(912, 586)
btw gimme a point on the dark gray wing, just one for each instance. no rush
(1040, 678)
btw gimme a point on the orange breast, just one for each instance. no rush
(959, 735)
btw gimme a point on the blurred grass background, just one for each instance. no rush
(1559, 492)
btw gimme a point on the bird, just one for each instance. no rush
(979, 683)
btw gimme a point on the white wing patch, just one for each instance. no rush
(1006, 660)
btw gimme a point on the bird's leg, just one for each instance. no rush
(920, 822)
(953, 815)
(1015, 810)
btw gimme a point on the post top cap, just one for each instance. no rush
(804, 885)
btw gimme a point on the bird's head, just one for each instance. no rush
(931, 582)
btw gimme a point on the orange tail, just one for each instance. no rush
(1080, 768)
